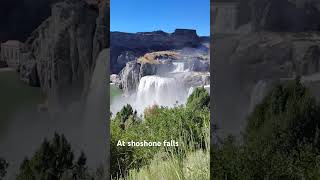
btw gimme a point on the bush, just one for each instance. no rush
(199, 99)
(54, 160)
(3, 168)
(187, 125)
(281, 139)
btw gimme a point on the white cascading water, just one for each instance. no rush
(168, 90)
(179, 67)
(94, 123)
(162, 91)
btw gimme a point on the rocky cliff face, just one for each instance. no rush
(195, 65)
(130, 76)
(140, 43)
(101, 36)
(285, 15)
(246, 66)
(61, 53)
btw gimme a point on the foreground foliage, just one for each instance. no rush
(3, 168)
(281, 140)
(194, 167)
(54, 160)
(189, 125)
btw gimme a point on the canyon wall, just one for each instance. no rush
(126, 47)
(61, 53)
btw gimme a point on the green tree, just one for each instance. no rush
(53, 161)
(125, 113)
(3, 168)
(157, 126)
(199, 99)
(80, 169)
(280, 141)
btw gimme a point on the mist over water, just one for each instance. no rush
(180, 67)
(164, 89)
(95, 117)
(83, 123)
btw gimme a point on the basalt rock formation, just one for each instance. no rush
(60, 54)
(101, 36)
(194, 63)
(138, 44)
(286, 15)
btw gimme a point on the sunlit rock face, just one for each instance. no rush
(163, 78)
(187, 64)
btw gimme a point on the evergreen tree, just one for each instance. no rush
(3, 168)
(54, 160)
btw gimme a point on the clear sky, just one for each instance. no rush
(166, 15)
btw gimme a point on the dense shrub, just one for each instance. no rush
(189, 125)
(199, 99)
(54, 160)
(3, 168)
(281, 139)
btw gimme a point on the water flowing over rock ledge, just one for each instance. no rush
(163, 78)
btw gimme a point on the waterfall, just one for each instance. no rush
(179, 67)
(162, 91)
(258, 92)
(95, 124)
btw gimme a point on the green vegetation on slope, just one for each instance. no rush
(189, 125)
(281, 140)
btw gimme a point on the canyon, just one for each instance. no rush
(162, 77)
(65, 61)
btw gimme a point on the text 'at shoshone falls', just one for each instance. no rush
(163, 78)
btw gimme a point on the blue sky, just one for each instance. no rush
(166, 15)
